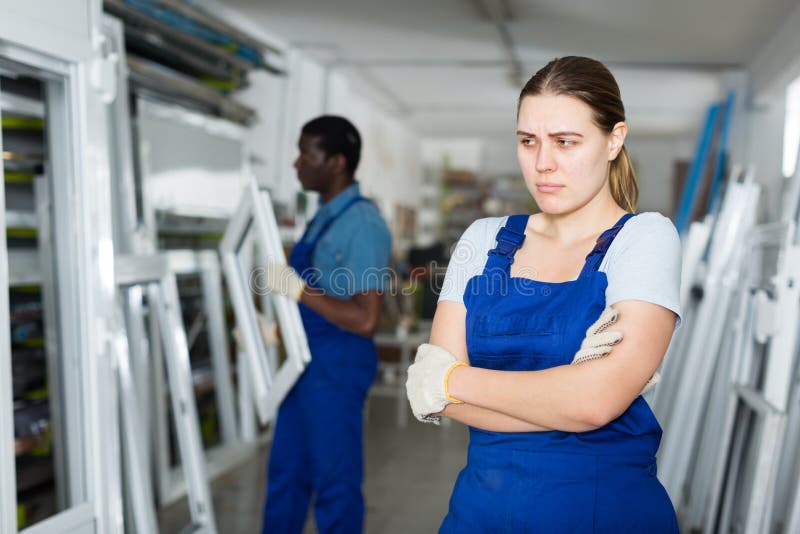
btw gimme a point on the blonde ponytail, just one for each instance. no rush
(622, 180)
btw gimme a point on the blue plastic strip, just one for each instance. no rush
(695, 173)
(722, 151)
(193, 27)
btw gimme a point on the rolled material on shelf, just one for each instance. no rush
(131, 15)
(215, 24)
(153, 79)
(17, 156)
(142, 42)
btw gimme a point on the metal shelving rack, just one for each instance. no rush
(463, 194)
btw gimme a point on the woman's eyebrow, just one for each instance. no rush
(565, 134)
(554, 134)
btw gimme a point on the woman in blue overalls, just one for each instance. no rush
(555, 447)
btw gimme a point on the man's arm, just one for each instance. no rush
(360, 314)
(355, 277)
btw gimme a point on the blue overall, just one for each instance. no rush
(598, 481)
(317, 445)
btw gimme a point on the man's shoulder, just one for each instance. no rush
(365, 215)
(361, 222)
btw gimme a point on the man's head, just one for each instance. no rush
(330, 148)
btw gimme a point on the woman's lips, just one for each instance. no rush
(549, 188)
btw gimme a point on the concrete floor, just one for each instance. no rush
(409, 476)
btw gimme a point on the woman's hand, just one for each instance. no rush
(426, 386)
(599, 342)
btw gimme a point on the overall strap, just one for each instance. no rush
(595, 257)
(509, 239)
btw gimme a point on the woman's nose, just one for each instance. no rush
(545, 163)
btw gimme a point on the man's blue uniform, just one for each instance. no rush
(318, 441)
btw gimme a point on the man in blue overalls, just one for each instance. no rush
(336, 274)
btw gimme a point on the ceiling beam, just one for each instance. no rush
(498, 12)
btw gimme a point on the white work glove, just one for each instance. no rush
(599, 342)
(426, 386)
(268, 329)
(281, 279)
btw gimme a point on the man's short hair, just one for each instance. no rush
(337, 135)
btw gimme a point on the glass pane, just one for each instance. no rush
(37, 443)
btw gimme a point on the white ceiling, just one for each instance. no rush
(443, 66)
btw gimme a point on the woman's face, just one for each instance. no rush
(563, 154)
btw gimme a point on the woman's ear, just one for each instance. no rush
(616, 140)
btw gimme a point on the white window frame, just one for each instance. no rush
(154, 273)
(268, 388)
(231, 451)
(83, 266)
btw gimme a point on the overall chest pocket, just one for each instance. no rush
(517, 325)
(516, 342)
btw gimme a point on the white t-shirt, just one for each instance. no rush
(642, 263)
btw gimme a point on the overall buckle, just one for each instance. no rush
(508, 241)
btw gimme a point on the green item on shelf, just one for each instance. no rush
(207, 236)
(23, 123)
(220, 84)
(18, 177)
(22, 516)
(32, 343)
(21, 233)
(33, 288)
(46, 447)
(37, 394)
(208, 427)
